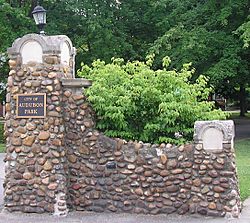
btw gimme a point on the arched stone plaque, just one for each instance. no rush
(212, 135)
(31, 51)
(212, 139)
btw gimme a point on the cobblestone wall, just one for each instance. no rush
(36, 158)
(61, 161)
(117, 176)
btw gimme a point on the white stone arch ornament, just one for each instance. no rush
(213, 134)
(31, 51)
(33, 47)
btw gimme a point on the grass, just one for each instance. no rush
(242, 148)
(2, 148)
(236, 115)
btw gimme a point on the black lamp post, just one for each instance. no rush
(39, 14)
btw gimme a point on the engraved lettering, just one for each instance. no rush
(31, 106)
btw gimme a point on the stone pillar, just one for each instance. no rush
(214, 164)
(36, 158)
(79, 138)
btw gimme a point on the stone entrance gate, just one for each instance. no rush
(57, 161)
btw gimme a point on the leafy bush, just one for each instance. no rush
(133, 101)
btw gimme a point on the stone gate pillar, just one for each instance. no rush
(35, 161)
(214, 147)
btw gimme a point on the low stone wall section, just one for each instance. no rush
(117, 176)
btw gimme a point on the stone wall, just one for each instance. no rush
(36, 157)
(117, 176)
(35, 147)
(61, 161)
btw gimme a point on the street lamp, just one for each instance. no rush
(39, 14)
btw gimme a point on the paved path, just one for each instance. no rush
(242, 128)
(83, 217)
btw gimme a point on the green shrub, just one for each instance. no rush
(133, 101)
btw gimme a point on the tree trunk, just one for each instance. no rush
(242, 97)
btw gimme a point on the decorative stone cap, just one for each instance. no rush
(33, 47)
(76, 82)
(213, 134)
(49, 44)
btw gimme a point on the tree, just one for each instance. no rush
(133, 101)
(244, 31)
(203, 32)
(98, 29)
(210, 34)
(94, 27)
(13, 24)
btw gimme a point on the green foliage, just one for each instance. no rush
(2, 148)
(244, 31)
(211, 34)
(204, 32)
(133, 101)
(13, 24)
(97, 28)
